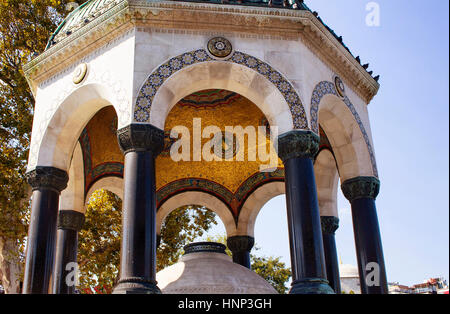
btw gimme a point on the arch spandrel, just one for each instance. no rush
(241, 73)
(345, 129)
(59, 128)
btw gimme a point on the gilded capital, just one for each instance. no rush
(298, 144)
(361, 187)
(141, 137)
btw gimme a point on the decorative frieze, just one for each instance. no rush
(178, 15)
(47, 178)
(298, 144)
(141, 137)
(361, 187)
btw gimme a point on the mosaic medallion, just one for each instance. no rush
(229, 144)
(80, 73)
(219, 47)
(339, 85)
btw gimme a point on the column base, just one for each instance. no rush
(136, 286)
(311, 286)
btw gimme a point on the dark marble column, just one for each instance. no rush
(47, 184)
(296, 149)
(329, 226)
(141, 143)
(361, 192)
(65, 272)
(241, 246)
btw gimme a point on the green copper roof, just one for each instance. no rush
(82, 15)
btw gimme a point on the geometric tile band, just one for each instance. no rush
(160, 75)
(326, 88)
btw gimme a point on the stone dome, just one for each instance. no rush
(205, 268)
(348, 271)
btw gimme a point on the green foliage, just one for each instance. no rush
(272, 270)
(182, 227)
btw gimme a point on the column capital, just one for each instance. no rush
(141, 137)
(47, 178)
(70, 219)
(329, 224)
(240, 243)
(298, 144)
(361, 187)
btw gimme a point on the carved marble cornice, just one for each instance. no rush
(205, 18)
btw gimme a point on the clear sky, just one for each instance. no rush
(410, 128)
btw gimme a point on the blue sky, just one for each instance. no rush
(410, 128)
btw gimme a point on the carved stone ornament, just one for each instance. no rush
(220, 47)
(361, 187)
(329, 224)
(80, 73)
(70, 219)
(240, 243)
(339, 85)
(47, 178)
(210, 247)
(298, 144)
(141, 137)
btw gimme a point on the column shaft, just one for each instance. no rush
(47, 183)
(296, 149)
(66, 252)
(361, 192)
(369, 248)
(66, 270)
(140, 144)
(329, 226)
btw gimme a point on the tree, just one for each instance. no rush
(25, 26)
(270, 268)
(99, 240)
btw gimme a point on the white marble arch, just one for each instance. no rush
(252, 206)
(327, 181)
(197, 198)
(222, 75)
(72, 198)
(346, 139)
(66, 124)
(110, 183)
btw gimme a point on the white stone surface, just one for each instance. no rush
(210, 273)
